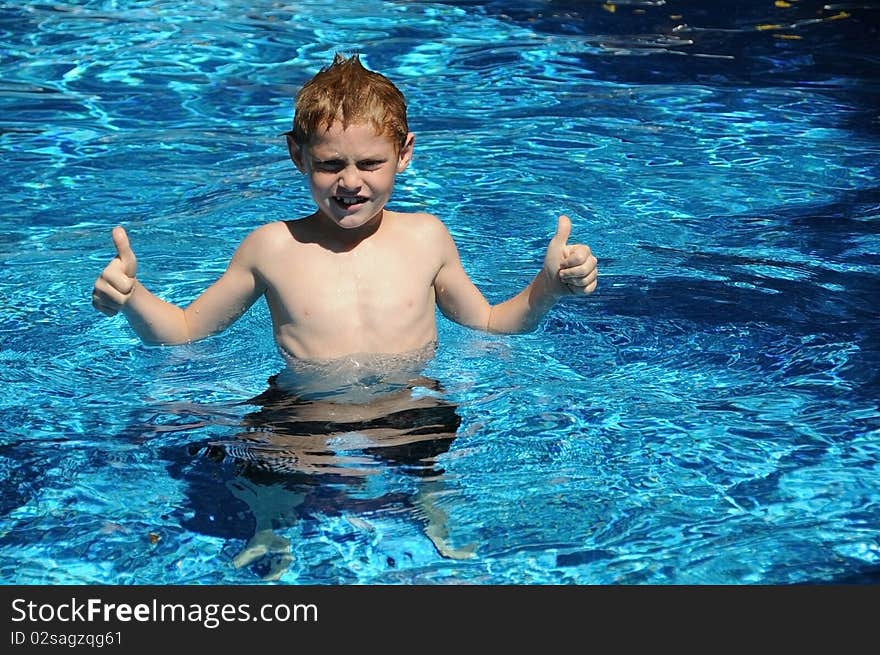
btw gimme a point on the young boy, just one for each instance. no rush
(353, 277)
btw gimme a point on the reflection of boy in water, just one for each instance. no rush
(292, 444)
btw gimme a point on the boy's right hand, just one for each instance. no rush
(117, 281)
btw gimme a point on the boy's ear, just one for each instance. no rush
(296, 153)
(406, 152)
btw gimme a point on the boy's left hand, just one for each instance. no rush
(572, 268)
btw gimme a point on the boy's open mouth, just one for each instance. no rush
(347, 202)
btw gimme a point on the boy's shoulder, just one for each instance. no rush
(264, 239)
(422, 222)
(267, 234)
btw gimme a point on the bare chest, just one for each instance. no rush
(338, 291)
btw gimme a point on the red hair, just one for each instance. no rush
(345, 91)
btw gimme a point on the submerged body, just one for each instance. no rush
(336, 423)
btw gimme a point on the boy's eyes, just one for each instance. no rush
(334, 166)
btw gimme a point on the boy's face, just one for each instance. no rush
(351, 172)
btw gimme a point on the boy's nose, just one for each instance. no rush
(349, 178)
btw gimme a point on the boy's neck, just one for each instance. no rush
(339, 239)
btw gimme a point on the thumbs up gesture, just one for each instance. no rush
(571, 267)
(117, 281)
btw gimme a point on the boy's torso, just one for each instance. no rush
(376, 297)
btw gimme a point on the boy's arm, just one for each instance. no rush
(156, 321)
(568, 269)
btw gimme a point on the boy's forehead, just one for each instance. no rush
(353, 137)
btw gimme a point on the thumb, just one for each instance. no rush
(124, 251)
(563, 230)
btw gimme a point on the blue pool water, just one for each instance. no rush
(708, 416)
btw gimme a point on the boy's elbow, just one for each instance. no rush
(517, 329)
(187, 330)
(498, 325)
(163, 340)
(174, 334)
